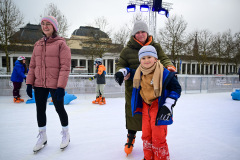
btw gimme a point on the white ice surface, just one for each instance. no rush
(206, 127)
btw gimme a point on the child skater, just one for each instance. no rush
(100, 70)
(155, 92)
(17, 77)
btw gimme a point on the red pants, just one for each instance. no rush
(154, 137)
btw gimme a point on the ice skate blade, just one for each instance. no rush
(44, 144)
(39, 149)
(65, 147)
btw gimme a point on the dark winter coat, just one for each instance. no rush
(18, 72)
(129, 58)
(170, 88)
(100, 74)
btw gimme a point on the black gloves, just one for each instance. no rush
(166, 111)
(60, 93)
(165, 114)
(29, 90)
(119, 78)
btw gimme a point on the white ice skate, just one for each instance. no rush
(65, 138)
(42, 141)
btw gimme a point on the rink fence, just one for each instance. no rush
(80, 84)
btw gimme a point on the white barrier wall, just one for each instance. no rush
(80, 84)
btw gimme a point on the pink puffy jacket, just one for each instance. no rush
(50, 64)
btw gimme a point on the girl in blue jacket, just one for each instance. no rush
(17, 77)
(155, 92)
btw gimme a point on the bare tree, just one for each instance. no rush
(217, 45)
(229, 46)
(172, 36)
(191, 45)
(98, 42)
(101, 23)
(10, 20)
(237, 49)
(205, 40)
(122, 35)
(198, 47)
(52, 10)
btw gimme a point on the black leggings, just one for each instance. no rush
(41, 96)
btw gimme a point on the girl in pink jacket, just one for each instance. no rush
(48, 72)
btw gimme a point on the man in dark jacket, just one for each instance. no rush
(17, 77)
(129, 59)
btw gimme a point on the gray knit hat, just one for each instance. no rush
(139, 26)
(147, 51)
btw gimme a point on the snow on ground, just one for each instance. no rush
(206, 127)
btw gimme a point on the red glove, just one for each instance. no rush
(171, 68)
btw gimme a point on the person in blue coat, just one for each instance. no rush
(155, 93)
(17, 77)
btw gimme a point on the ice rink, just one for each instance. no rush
(206, 127)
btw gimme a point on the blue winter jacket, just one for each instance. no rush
(170, 88)
(18, 72)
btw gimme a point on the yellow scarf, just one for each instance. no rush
(157, 68)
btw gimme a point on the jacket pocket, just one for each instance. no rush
(52, 73)
(37, 73)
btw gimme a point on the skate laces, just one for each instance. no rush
(64, 134)
(40, 135)
(131, 137)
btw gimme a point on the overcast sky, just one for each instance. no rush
(214, 15)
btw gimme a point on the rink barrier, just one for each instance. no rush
(80, 84)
